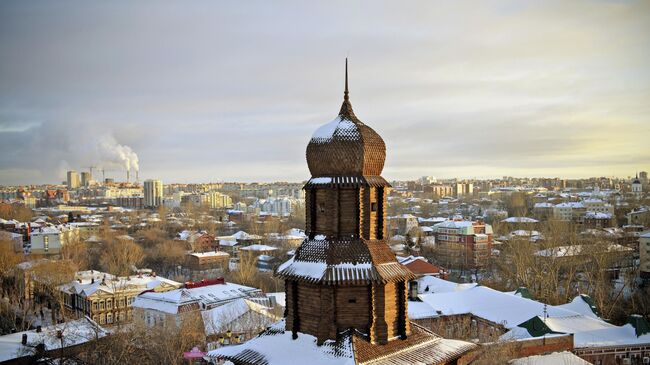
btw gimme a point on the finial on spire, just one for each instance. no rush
(346, 109)
(346, 95)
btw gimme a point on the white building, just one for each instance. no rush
(637, 187)
(153, 193)
(49, 240)
(277, 206)
(598, 206)
(566, 211)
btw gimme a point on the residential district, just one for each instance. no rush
(342, 268)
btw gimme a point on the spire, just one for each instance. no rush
(346, 93)
(346, 109)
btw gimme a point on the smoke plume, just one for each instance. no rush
(112, 153)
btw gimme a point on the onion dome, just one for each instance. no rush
(345, 146)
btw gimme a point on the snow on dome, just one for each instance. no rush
(339, 127)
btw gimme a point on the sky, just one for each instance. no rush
(207, 91)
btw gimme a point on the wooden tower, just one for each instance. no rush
(344, 275)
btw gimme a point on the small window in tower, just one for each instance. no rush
(321, 208)
(352, 300)
(373, 206)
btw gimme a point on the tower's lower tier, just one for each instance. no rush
(376, 310)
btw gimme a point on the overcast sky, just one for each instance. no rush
(209, 91)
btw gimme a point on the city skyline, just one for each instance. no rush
(224, 93)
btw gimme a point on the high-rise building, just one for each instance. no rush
(73, 179)
(85, 178)
(153, 193)
(643, 176)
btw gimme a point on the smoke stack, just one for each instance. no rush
(127, 175)
(137, 178)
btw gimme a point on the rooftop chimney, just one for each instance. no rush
(24, 340)
(38, 329)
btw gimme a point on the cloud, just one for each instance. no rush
(233, 91)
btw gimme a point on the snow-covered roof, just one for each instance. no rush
(338, 126)
(483, 302)
(235, 316)
(259, 247)
(276, 346)
(543, 205)
(209, 296)
(598, 215)
(75, 332)
(573, 250)
(520, 220)
(88, 282)
(209, 254)
(564, 358)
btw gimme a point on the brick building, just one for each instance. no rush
(463, 243)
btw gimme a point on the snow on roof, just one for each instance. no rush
(564, 357)
(209, 295)
(280, 298)
(523, 233)
(430, 284)
(579, 305)
(233, 316)
(88, 282)
(337, 127)
(574, 250)
(276, 346)
(317, 270)
(433, 219)
(609, 336)
(520, 220)
(228, 243)
(320, 180)
(259, 247)
(454, 224)
(598, 215)
(75, 332)
(543, 205)
(575, 324)
(209, 254)
(486, 303)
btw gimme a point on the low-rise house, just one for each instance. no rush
(421, 267)
(229, 313)
(598, 220)
(33, 346)
(106, 298)
(257, 249)
(576, 255)
(208, 260)
(487, 315)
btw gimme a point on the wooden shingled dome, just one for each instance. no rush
(346, 146)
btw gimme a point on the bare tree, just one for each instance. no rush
(119, 256)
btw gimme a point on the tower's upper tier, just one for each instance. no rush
(346, 146)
